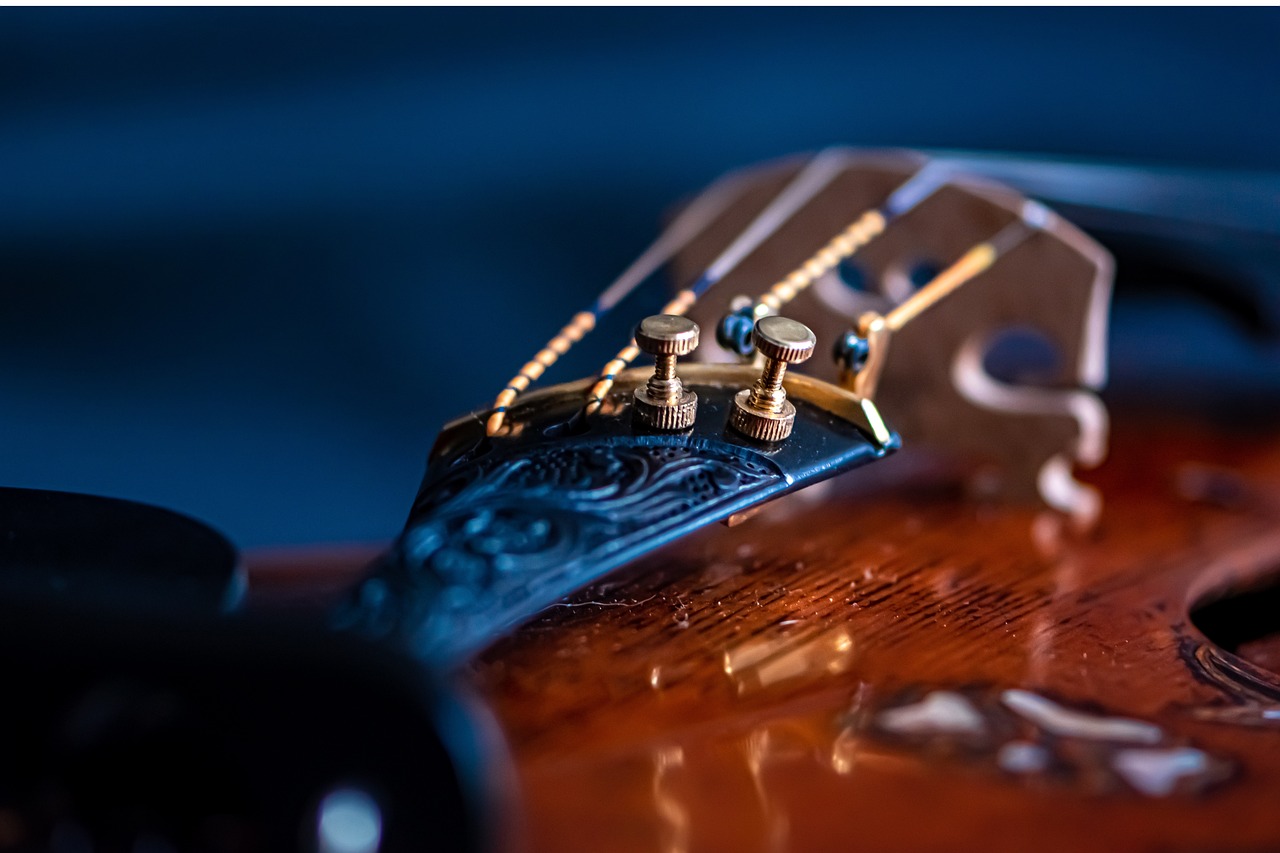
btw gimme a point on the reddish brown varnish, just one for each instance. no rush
(628, 733)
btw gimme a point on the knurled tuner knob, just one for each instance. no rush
(763, 411)
(664, 403)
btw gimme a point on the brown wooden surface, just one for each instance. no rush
(718, 696)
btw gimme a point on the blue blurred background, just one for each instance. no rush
(238, 246)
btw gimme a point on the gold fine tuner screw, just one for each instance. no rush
(664, 403)
(763, 411)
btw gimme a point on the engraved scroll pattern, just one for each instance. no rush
(498, 539)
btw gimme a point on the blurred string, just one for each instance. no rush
(687, 225)
(816, 176)
(811, 181)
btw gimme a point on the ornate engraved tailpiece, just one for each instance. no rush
(505, 526)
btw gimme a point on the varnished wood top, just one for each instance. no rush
(732, 691)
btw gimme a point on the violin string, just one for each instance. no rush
(816, 175)
(871, 224)
(700, 213)
(1032, 217)
(697, 216)
(813, 179)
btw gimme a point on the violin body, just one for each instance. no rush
(875, 602)
(736, 691)
(928, 619)
(570, 550)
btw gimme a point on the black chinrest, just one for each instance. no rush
(113, 553)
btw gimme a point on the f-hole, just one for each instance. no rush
(1245, 620)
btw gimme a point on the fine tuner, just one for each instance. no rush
(761, 412)
(663, 402)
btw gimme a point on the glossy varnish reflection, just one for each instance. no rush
(712, 700)
(724, 693)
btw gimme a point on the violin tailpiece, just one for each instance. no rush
(505, 526)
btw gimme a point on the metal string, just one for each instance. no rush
(812, 180)
(816, 176)
(700, 213)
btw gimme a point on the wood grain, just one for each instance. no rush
(721, 694)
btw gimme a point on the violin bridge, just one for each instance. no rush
(983, 316)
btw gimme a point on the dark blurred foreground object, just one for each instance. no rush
(139, 717)
(109, 553)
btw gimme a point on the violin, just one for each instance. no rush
(864, 557)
